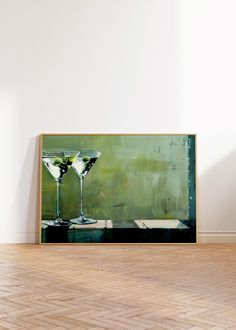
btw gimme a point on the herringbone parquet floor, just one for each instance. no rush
(118, 287)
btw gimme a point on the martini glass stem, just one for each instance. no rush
(81, 197)
(58, 219)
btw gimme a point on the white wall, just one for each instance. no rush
(117, 66)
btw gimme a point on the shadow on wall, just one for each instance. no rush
(217, 196)
(26, 200)
(34, 196)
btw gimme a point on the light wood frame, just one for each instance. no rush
(114, 134)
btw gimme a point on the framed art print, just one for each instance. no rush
(118, 188)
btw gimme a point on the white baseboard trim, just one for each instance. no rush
(217, 237)
(203, 237)
(19, 238)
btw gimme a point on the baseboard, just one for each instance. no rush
(217, 237)
(203, 237)
(19, 237)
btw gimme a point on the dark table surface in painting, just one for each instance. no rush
(129, 234)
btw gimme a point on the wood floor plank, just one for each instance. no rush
(118, 287)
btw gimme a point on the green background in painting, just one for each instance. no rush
(136, 177)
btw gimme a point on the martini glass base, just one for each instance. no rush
(83, 221)
(57, 223)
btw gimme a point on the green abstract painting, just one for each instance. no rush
(105, 188)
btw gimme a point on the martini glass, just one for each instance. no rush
(82, 165)
(58, 162)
